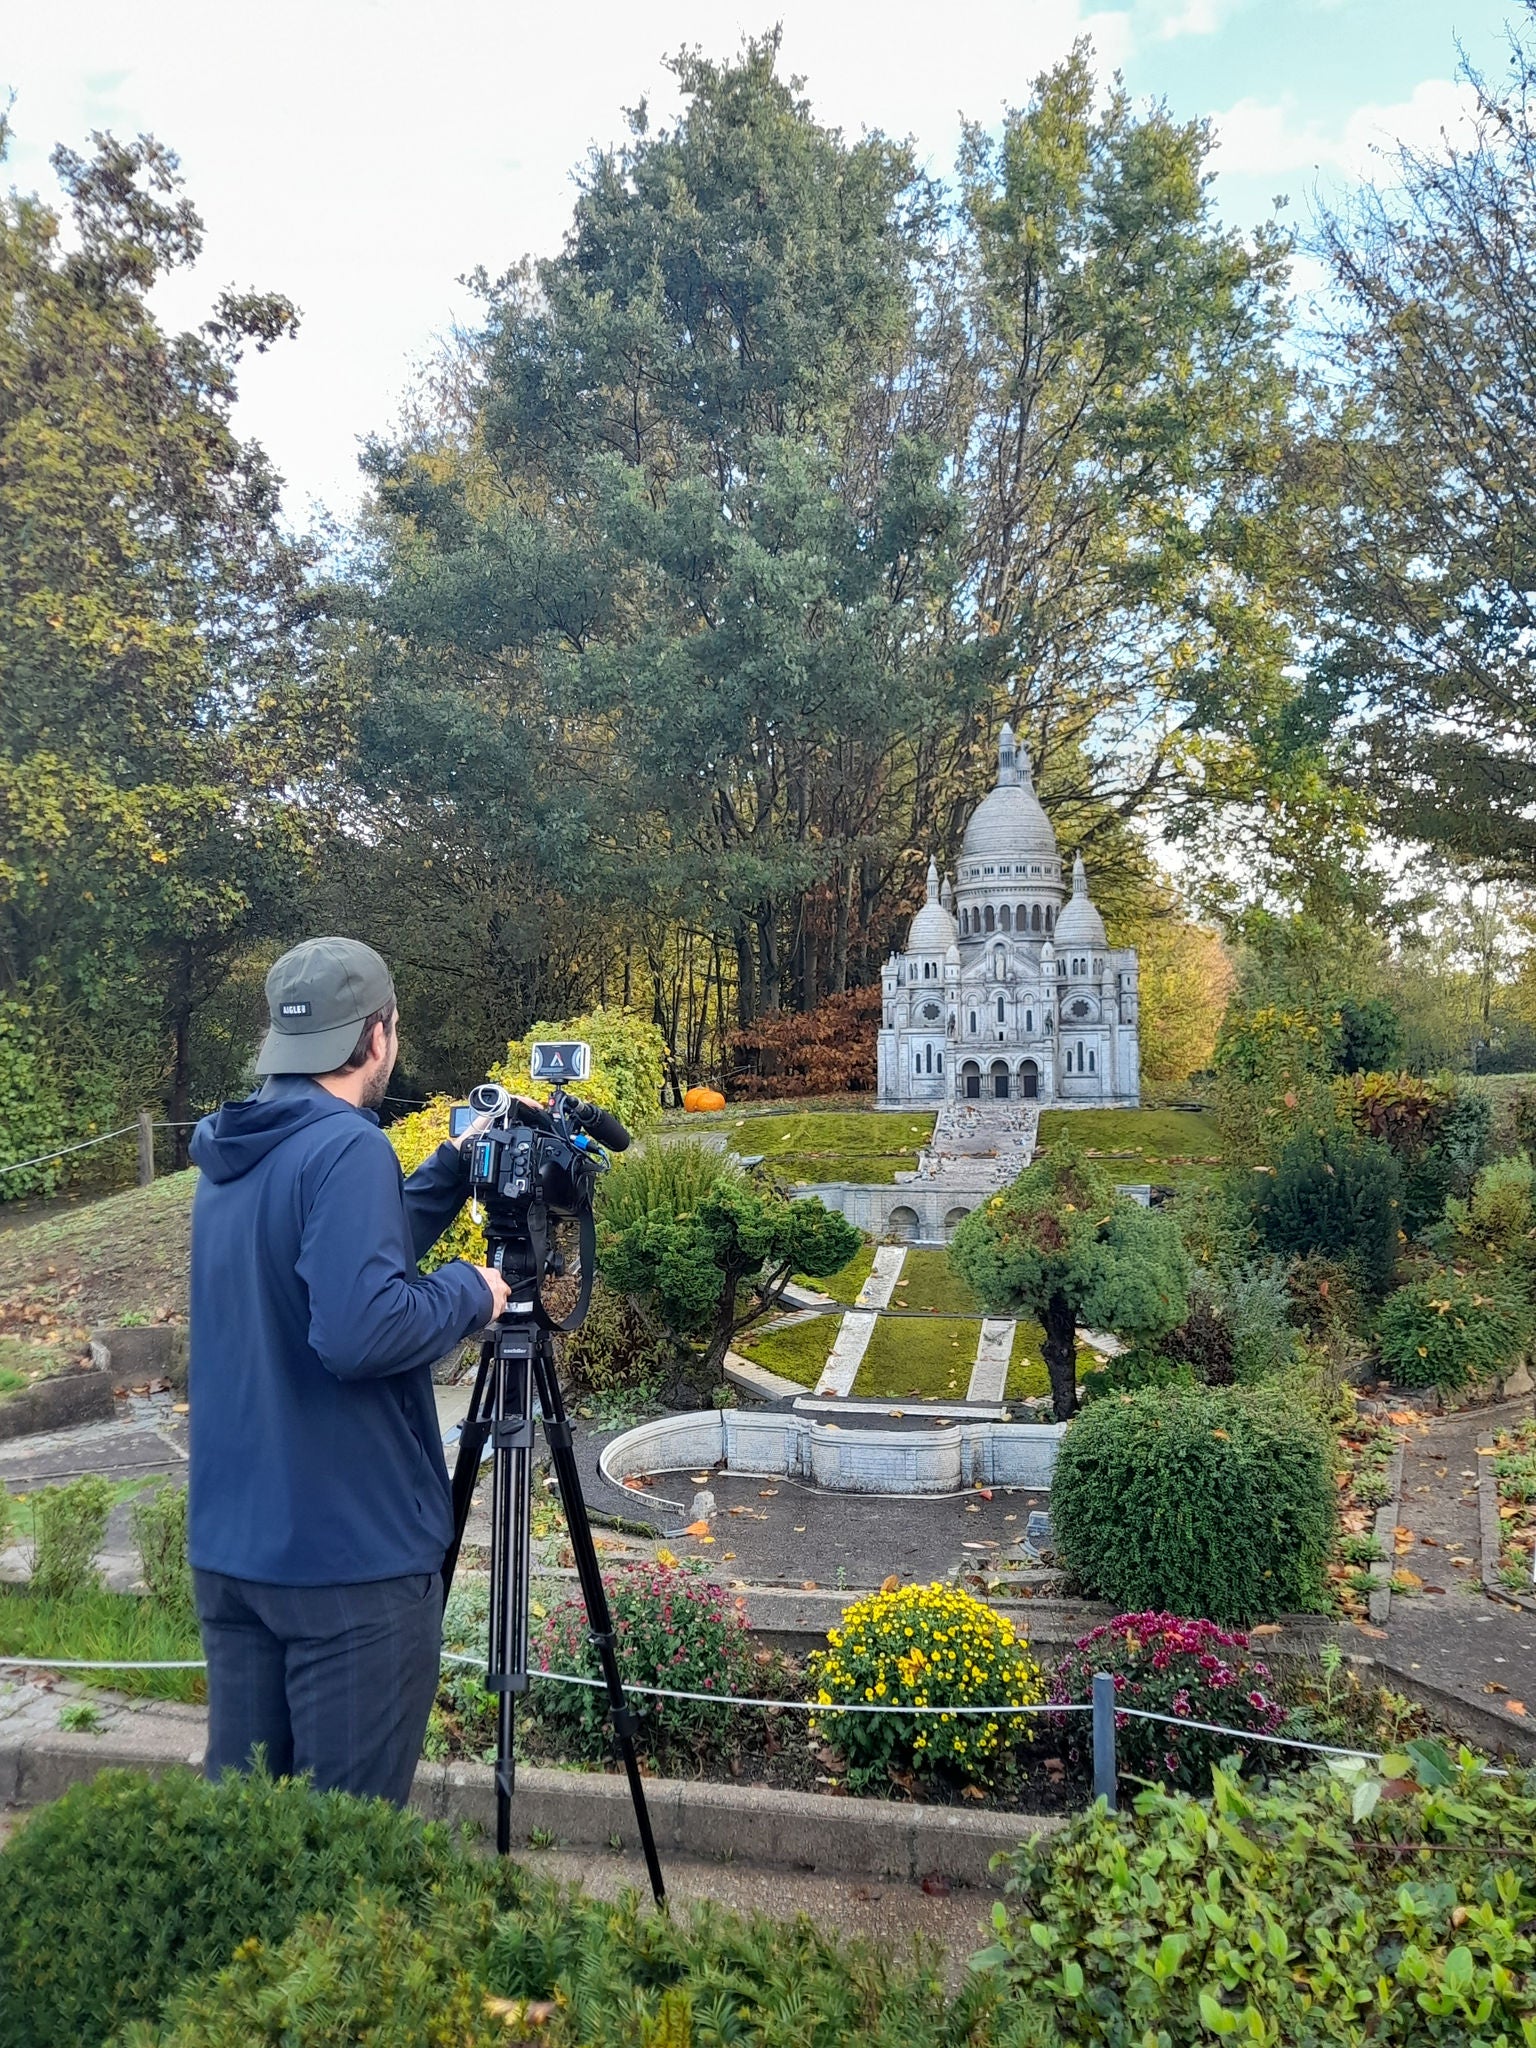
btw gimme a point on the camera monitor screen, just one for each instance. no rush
(560, 1061)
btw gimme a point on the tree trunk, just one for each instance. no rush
(1061, 1355)
(746, 978)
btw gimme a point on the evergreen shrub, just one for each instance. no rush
(617, 1350)
(69, 1526)
(1215, 1503)
(1349, 1908)
(924, 1646)
(114, 1895)
(1166, 1665)
(1452, 1330)
(1334, 1193)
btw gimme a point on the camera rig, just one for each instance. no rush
(532, 1175)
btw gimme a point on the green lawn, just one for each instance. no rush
(797, 1350)
(928, 1281)
(911, 1359)
(808, 1145)
(1170, 1147)
(844, 1286)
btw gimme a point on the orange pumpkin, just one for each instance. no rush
(703, 1098)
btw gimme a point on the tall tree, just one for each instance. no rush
(1425, 578)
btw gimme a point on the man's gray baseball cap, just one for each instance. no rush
(319, 995)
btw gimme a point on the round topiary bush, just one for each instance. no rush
(114, 1895)
(924, 1646)
(1164, 1665)
(1200, 1501)
(1452, 1330)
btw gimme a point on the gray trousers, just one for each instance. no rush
(335, 1681)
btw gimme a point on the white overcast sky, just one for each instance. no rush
(362, 155)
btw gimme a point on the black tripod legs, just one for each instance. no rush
(516, 1360)
(557, 1433)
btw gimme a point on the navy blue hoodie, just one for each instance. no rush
(315, 1449)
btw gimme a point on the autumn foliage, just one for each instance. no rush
(826, 1051)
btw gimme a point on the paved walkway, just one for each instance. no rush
(994, 1350)
(858, 1325)
(1452, 1634)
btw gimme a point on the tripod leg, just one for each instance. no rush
(511, 1549)
(557, 1432)
(473, 1432)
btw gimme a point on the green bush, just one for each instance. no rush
(33, 1118)
(118, 1892)
(667, 1180)
(1201, 1501)
(1452, 1330)
(1346, 1910)
(617, 1350)
(158, 1519)
(69, 1526)
(1333, 1193)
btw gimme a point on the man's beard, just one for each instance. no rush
(378, 1087)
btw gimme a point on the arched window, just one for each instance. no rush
(1034, 919)
(989, 920)
(973, 1020)
(911, 970)
(1001, 1009)
(928, 1058)
(1091, 1058)
(1050, 917)
(965, 924)
(917, 1063)
(1005, 919)
(1098, 966)
(939, 1064)
(1061, 968)
(1029, 1020)
(1021, 918)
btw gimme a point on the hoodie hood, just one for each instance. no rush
(241, 1134)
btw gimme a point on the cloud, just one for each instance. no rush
(1256, 138)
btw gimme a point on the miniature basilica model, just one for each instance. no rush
(1008, 986)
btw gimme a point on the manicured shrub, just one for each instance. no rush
(1336, 1194)
(158, 1519)
(1216, 1503)
(69, 1526)
(676, 1628)
(617, 1350)
(1494, 1227)
(114, 1895)
(1347, 1909)
(924, 1646)
(1452, 1330)
(1166, 1665)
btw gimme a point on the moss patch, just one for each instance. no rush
(797, 1350)
(911, 1358)
(927, 1280)
(844, 1286)
(1170, 1147)
(813, 1145)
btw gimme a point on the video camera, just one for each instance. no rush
(533, 1168)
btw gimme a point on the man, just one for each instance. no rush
(320, 1508)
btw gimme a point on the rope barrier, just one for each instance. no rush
(85, 1144)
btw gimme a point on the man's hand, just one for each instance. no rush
(501, 1294)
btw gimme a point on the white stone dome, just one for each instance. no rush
(1009, 822)
(1079, 923)
(933, 929)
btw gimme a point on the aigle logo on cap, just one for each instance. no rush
(293, 1009)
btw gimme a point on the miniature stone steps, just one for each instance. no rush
(858, 1326)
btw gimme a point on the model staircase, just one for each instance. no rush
(978, 1147)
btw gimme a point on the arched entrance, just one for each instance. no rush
(1000, 1079)
(955, 1217)
(902, 1225)
(1029, 1081)
(970, 1080)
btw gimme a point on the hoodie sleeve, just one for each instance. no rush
(434, 1195)
(370, 1312)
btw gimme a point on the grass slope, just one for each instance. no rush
(844, 1286)
(1171, 1147)
(806, 1145)
(122, 1259)
(796, 1350)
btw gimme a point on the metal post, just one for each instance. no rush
(1104, 1769)
(146, 1148)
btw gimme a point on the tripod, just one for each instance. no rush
(517, 1360)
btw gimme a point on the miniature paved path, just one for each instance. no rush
(994, 1348)
(842, 1367)
(1452, 1634)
